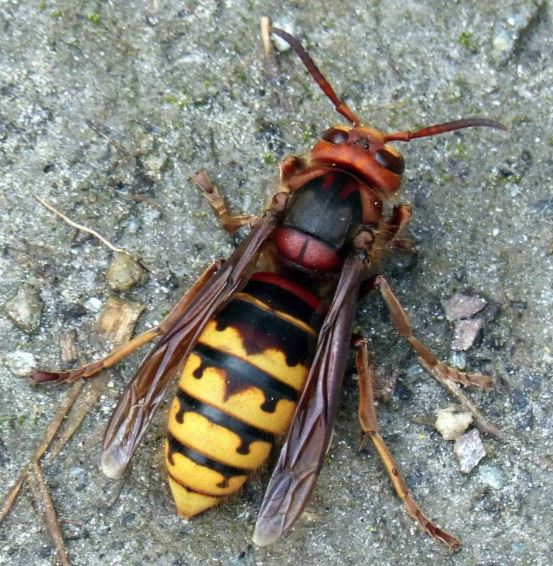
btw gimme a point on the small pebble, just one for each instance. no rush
(462, 306)
(123, 273)
(466, 332)
(469, 450)
(20, 363)
(452, 422)
(24, 308)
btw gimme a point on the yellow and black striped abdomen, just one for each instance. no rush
(238, 390)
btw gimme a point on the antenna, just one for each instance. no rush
(348, 113)
(442, 128)
(315, 72)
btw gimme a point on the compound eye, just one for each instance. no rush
(395, 163)
(335, 135)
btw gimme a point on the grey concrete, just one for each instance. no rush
(183, 88)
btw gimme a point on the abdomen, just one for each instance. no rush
(238, 390)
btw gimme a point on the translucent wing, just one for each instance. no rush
(144, 393)
(301, 457)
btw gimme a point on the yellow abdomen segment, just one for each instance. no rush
(215, 440)
(248, 403)
(237, 392)
(272, 360)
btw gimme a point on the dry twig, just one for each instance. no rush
(93, 232)
(47, 510)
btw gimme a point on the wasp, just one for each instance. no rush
(259, 343)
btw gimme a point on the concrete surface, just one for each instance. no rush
(181, 86)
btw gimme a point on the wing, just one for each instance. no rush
(301, 457)
(144, 393)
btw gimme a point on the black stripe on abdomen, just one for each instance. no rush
(262, 330)
(175, 446)
(246, 432)
(280, 299)
(241, 375)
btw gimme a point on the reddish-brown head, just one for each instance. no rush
(363, 151)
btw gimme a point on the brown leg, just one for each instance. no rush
(401, 216)
(369, 425)
(430, 362)
(118, 355)
(230, 223)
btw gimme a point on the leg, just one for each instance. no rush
(401, 216)
(230, 223)
(429, 361)
(118, 355)
(296, 171)
(449, 377)
(369, 425)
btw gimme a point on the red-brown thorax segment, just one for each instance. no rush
(362, 152)
(306, 251)
(322, 217)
